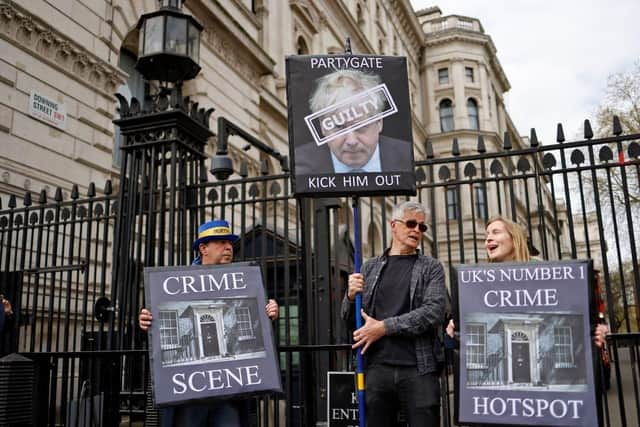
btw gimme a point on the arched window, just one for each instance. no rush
(472, 110)
(207, 318)
(302, 47)
(519, 336)
(359, 15)
(446, 115)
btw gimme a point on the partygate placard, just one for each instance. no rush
(210, 336)
(350, 125)
(525, 344)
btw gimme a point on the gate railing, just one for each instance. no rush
(55, 261)
(56, 257)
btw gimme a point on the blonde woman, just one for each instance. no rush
(506, 241)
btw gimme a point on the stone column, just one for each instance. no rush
(459, 99)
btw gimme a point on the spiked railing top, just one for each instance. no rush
(168, 99)
(533, 138)
(560, 133)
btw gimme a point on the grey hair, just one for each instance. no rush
(401, 208)
(339, 85)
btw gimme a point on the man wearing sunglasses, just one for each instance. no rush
(403, 304)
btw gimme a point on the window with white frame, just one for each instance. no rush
(476, 334)
(472, 111)
(446, 115)
(443, 76)
(563, 347)
(169, 329)
(302, 46)
(468, 74)
(452, 203)
(243, 322)
(480, 201)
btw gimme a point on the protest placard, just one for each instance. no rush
(525, 344)
(210, 336)
(350, 125)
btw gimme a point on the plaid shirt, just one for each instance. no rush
(426, 316)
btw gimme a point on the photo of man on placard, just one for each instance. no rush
(350, 129)
(349, 105)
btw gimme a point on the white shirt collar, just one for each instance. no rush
(373, 165)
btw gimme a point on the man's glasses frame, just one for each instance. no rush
(412, 223)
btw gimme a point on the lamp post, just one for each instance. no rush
(169, 44)
(164, 139)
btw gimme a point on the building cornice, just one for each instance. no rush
(351, 28)
(456, 34)
(305, 11)
(409, 22)
(30, 33)
(226, 37)
(269, 99)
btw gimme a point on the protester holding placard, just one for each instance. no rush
(525, 351)
(403, 308)
(214, 246)
(506, 242)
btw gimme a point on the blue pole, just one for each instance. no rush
(359, 363)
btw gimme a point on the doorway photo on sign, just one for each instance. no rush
(524, 351)
(204, 331)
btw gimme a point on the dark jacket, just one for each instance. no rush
(427, 299)
(395, 156)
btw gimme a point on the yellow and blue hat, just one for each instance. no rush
(218, 229)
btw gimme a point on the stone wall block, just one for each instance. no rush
(6, 117)
(42, 135)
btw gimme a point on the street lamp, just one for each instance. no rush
(169, 44)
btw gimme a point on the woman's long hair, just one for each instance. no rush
(518, 236)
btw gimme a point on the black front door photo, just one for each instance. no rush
(521, 362)
(210, 339)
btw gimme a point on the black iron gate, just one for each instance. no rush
(72, 266)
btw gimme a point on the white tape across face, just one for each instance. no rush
(350, 114)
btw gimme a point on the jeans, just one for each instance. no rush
(392, 388)
(215, 414)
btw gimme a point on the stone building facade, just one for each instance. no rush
(77, 53)
(464, 90)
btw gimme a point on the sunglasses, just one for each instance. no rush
(412, 223)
